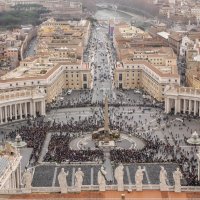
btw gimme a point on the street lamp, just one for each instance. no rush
(195, 140)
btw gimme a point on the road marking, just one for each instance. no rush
(92, 176)
(73, 173)
(54, 176)
(128, 174)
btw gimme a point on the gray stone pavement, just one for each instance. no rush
(103, 66)
(145, 121)
(142, 123)
(50, 172)
(45, 147)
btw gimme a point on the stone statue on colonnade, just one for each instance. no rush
(119, 176)
(78, 179)
(27, 180)
(62, 180)
(102, 179)
(139, 178)
(177, 175)
(163, 179)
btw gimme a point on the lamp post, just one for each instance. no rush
(195, 140)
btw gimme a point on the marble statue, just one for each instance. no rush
(177, 176)
(27, 179)
(79, 179)
(40, 90)
(102, 179)
(139, 178)
(62, 180)
(119, 176)
(163, 179)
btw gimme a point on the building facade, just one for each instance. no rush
(143, 75)
(20, 104)
(10, 168)
(182, 100)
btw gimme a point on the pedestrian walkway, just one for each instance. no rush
(45, 147)
(108, 167)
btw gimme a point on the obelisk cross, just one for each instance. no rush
(106, 117)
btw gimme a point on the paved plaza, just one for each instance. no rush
(148, 137)
(151, 175)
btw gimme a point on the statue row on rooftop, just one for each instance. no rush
(101, 178)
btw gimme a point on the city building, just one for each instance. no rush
(175, 39)
(182, 100)
(57, 65)
(193, 65)
(150, 69)
(10, 168)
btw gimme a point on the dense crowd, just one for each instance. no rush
(156, 150)
(59, 151)
(82, 99)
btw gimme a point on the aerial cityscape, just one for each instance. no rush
(99, 99)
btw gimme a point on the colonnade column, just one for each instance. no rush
(195, 107)
(6, 117)
(20, 110)
(15, 111)
(177, 106)
(199, 108)
(190, 106)
(10, 111)
(167, 105)
(25, 109)
(43, 108)
(1, 115)
(34, 115)
(184, 105)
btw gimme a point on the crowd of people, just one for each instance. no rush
(59, 151)
(156, 150)
(34, 136)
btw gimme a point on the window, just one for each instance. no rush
(84, 77)
(120, 77)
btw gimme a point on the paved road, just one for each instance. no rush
(31, 48)
(101, 58)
